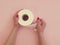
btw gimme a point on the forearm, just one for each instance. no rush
(41, 38)
(11, 36)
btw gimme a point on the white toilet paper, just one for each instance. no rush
(25, 17)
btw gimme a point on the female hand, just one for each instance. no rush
(41, 24)
(40, 28)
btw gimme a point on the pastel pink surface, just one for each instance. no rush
(49, 10)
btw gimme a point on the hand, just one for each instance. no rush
(15, 19)
(40, 25)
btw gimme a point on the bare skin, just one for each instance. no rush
(11, 37)
(40, 30)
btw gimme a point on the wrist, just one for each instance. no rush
(41, 32)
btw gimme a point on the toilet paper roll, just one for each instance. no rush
(25, 17)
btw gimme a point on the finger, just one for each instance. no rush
(38, 23)
(33, 25)
(43, 24)
(33, 22)
(15, 19)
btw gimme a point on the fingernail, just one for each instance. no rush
(17, 16)
(38, 18)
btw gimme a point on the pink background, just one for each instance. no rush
(49, 10)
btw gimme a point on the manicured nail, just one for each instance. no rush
(17, 16)
(38, 18)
